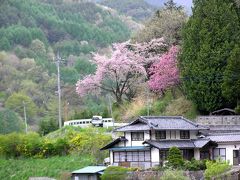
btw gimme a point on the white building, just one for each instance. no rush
(146, 142)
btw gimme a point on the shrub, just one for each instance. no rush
(195, 165)
(30, 145)
(175, 159)
(10, 145)
(47, 125)
(216, 168)
(116, 173)
(173, 175)
(61, 147)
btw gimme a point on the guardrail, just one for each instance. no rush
(107, 122)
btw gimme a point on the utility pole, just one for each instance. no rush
(25, 116)
(59, 91)
(110, 106)
(148, 103)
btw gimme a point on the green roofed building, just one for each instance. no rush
(88, 173)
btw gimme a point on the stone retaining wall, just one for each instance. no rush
(218, 120)
(155, 175)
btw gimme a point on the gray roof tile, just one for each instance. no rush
(226, 137)
(166, 144)
(161, 123)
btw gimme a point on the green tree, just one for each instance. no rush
(170, 4)
(175, 158)
(167, 22)
(209, 38)
(47, 125)
(84, 67)
(4, 44)
(10, 122)
(15, 102)
(38, 48)
(231, 84)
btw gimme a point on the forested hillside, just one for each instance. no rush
(31, 32)
(138, 9)
(63, 25)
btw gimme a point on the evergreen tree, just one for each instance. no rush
(175, 158)
(10, 122)
(170, 4)
(209, 38)
(231, 85)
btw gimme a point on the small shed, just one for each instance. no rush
(88, 173)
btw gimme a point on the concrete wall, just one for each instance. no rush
(218, 120)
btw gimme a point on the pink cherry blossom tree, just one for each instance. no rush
(118, 74)
(164, 72)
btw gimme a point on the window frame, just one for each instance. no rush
(184, 134)
(128, 156)
(223, 157)
(138, 137)
(160, 135)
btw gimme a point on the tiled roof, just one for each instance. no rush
(116, 141)
(188, 144)
(199, 143)
(161, 123)
(226, 137)
(134, 127)
(166, 144)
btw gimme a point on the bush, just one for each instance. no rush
(47, 125)
(173, 175)
(216, 168)
(195, 165)
(30, 145)
(175, 159)
(10, 145)
(115, 173)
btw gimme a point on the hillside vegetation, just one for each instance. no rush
(138, 9)
(31, 34)
(63, 25)
(58, 154)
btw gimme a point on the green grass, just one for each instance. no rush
(51, 167)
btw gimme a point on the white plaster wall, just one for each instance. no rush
(229, 150)
(167, 134)
(128, 137)
(111, 157)
(193, 134)
(155, 155)
(197, 154)
(146, 135)
(136, 143)
(153, 135)
(177, 134)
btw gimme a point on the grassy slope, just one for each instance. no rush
(166, 105)
(56, 167)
